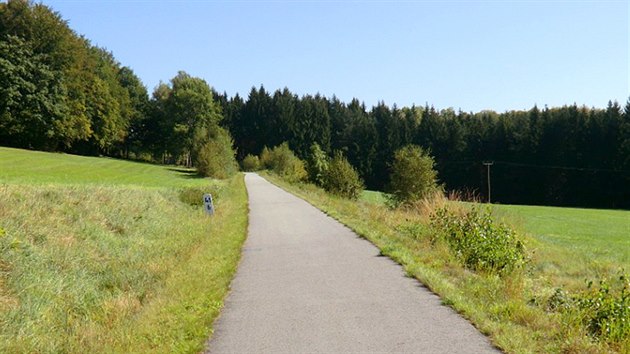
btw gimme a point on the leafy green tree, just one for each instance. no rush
(284, 163)
(413, 176)
(137, 112)
(317, 165)
(216, 157)
(251, 163)
(186, 115)
(193, 111)
(52, 48)
(31, 99)
(94, 117)
(342, 179)
(156, 138)
(266, 159)
(108, 103)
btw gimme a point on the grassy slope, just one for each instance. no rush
(19, 166)
(499, 307)
(374, 197)
(101, 263)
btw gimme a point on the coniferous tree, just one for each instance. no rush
(284, 113)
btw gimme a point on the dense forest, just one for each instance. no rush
(570, 155)
(58, 92)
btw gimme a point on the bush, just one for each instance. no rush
(285, 164)
(606, 309)
(412, 177)
(265, 159)
(479, 242)
(342, 179)
(194, 195)
(251, 163)
(317, 165)
(216, 158)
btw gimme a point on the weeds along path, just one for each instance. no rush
(306, 283)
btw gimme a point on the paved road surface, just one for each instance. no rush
(307, 284)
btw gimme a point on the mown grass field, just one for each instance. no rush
(566, 249)
(595, 233)
(19, 166)
(101, 255)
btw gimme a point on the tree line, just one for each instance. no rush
(61, 93)
(570, 155)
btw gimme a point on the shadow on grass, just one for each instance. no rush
(186, 172)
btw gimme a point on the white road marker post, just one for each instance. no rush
(207, 204)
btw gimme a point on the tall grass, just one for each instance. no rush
(513, 310)
(102, 267)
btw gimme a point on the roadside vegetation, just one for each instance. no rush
(529, 291)
(116, 257)
(92, 248)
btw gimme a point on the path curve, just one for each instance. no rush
(307, 284)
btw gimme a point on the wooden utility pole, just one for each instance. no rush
(488, 164)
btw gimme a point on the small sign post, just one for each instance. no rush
(207, 204)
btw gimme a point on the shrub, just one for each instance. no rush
(412, 177)
(216, 158)
(284, 163)
(265, 159)
(194, 195)
(317, 165)
(479, 242)
(342, 179)
(251, 163)
(606, 309)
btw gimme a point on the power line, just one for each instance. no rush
(488, 164)
(519, 164)
(592, 169)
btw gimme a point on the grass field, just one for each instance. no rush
(19, 166)
(600, 234)
(520, 312)
(102, 255)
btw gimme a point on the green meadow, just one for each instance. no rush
(104, 255)
(598, 234)
(19, 166)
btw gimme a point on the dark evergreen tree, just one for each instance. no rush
(388, 128)
(363, 142)
(284, 113)
(312, 125)
(257, 114)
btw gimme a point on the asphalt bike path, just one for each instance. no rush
(308, 284)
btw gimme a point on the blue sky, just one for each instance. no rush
(472, 55)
